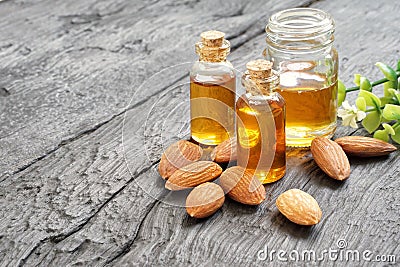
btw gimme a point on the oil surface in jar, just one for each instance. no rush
(212, 107)
(310, 106)
(261, 137)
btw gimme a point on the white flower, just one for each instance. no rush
(350, 115)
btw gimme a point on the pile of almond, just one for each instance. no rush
(182, 168)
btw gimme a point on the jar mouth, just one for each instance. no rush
(300, 24)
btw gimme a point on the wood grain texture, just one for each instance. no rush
(73, 193)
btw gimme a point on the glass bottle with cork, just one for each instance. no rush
(260, 123)
(212, 91)
(300, 44)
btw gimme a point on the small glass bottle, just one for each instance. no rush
(300, 44)
(260, 123)
(212, 91)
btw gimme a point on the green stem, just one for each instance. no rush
(355, 88)
(397, 124)
(373, 109)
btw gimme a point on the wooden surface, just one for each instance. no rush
(80, 138)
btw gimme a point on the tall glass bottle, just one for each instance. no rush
(212, 91)
(300, 44)
(261, 123)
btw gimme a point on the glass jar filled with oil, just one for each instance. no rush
(212, 91)
(300, 45)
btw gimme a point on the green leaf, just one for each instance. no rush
(388, 129)
(387, 100)
(372, 121)
(357, 79)
(398, 65)
(391, 112)
(341, 93)
(389, 73)
(396, 136)
(361, 104)
(370, 99)
(387, 86)
(382, 135)
(394, 93)
(365, 84)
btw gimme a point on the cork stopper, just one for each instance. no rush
(212, 38)
(260, 77)
(259, 69)
(213, 47)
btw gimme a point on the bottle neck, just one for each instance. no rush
(302, 30)
(260, 86)
(213, 54)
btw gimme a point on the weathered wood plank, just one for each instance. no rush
(364, 210)
(79, 205)
(68, 67)
(53, 199)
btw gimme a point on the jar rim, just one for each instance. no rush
(300, 24)
(300, 21)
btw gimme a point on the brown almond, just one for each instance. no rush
(225, 152)
(204, 200)
(362, 146)
(331, 158)
(299, 207)
(242, 186)
(193, 174)
(178, 155)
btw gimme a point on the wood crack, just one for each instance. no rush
(126, 248)
(58, 238)
(93, 129)
(4, 92)
(310, 3)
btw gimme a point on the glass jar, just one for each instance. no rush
(212, 91)
(300, 45)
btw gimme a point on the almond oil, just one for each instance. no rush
(260, 112)
(310, 106)
(300, 43)
(211, 110)
(212, 91)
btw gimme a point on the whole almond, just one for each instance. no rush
(204, 200)
(178, 155)
(362, 146)
(299, 207)
(331, 158)
(241, 185)
(225, 152)
(193, 174)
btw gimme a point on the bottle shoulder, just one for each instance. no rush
(212, 68)
(212, 72)
(274, 100)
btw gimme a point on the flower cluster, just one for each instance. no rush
(350, 115)
(378, 115)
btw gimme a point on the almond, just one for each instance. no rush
(204, 200)
(225, 152)
(241, 185)
(331, 158)
(193, 174)
(178, 155)
(299, 207)
(362, 146)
